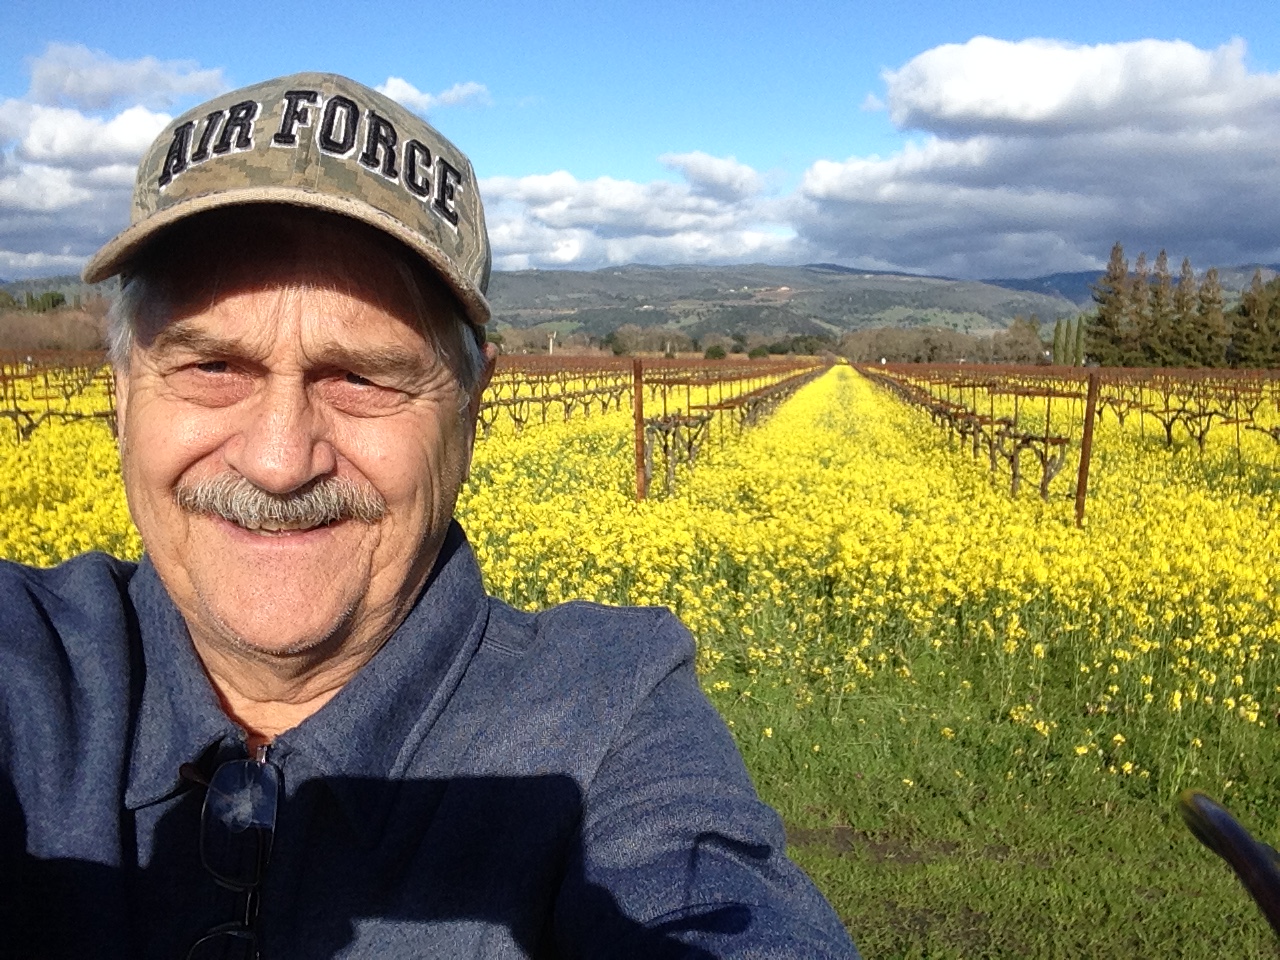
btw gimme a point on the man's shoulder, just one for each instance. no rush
(555, 690)
(65, 659)
(75, 600)
(581, 638)
(78, 580)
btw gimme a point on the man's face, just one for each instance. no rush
(286, 370)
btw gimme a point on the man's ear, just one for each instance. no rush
(490, 351)
(120, 378)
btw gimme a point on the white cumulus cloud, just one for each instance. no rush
(460, 94)
(69, 149)
(1035, 156)
(990, 85)
(1020, 158)
(73, 75)
(67, 137)
(723, 178)
(35, 188)
(557, 219)
(15, 263)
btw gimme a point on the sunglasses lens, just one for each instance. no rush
(238, 821)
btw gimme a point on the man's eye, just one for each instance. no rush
(212, 366)
(358, 380)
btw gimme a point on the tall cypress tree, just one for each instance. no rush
(1077, 356)
(1059, 353)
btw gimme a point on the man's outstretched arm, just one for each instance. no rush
(678, 856)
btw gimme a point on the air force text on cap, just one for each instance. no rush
(344, 128)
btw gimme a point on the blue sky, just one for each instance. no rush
(712, 131)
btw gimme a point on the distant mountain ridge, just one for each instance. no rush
(758, 299)
(1078, 287)
(755, 299)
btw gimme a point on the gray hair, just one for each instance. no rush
(144, 301)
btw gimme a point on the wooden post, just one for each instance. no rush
(1086, 447)
(637, 386)
(1235, 414)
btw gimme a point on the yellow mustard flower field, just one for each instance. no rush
(905, 652)
(843, 548)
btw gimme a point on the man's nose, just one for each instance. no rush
(282, 443)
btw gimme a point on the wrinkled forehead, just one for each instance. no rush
(227, 256)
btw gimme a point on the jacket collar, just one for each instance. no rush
(179, 717)
(370, 729)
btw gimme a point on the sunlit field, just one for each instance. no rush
(973, 715)
(60, 491)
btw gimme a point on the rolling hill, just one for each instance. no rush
(754, 300)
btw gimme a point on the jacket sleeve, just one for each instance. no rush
(677, 855)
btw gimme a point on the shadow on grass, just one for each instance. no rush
(1131, 885)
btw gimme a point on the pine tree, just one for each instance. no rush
(1248, 328)
(1135, 353)
(1272, 358)
(1255, 340)
(1185, 334)
(1157, 333)
(1109, 329)
(1211, 325)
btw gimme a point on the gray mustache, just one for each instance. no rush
(325, 500)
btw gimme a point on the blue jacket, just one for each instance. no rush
(492, 784)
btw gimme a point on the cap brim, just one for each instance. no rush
(117, 252)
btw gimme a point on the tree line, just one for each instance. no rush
(1020, 343)
(1145, 318)
(37, 303)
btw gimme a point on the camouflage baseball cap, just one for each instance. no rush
(322, 141)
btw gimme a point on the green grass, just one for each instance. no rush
(993, 849)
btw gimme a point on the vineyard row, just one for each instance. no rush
(1046, 412)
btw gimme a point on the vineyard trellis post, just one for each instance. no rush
(1086, 447)
(637, 387)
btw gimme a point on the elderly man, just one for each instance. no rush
(299, 727)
